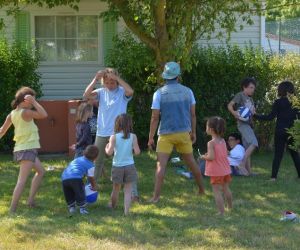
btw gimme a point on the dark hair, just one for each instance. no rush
(247, 81)
(217, 124)
(82, 109)
(236, 136)
(123, 123)
(21, 93)
(284, 88)
(91, 152)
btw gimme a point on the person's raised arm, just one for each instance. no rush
(153, 126)
(38, 113)
(89, 92)
(128, 90)
(136, 148)
(6, 125)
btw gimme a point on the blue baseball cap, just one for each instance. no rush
(171, 70)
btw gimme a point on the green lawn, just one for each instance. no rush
(182, 219)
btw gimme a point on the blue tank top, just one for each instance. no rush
(123, 155)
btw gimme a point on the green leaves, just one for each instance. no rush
(18, 66)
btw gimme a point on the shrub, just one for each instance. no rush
(214, 78)
(17, 68)
(136, 64)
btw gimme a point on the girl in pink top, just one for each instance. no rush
(217, 165)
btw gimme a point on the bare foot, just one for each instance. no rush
(201, 191)
(31, 204)
(154, 200)
(135, 199)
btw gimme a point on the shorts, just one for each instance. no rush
(26, 155)
(181, 141)
(126, 174)
(220, 179)
(248, 136)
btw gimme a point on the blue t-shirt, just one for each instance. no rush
(123, 151)
(78, 168)
(111, 104)
(174, 101)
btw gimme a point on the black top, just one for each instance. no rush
(284, 112)
(83, 135)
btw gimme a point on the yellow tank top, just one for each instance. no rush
(26, 133)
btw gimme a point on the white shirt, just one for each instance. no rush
(111, 104)
(236, 155)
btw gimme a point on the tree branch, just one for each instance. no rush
(137, 29)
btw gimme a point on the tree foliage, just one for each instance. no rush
(170, 28)
(282, 9)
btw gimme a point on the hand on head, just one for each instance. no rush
(100, 74)
(29, 98)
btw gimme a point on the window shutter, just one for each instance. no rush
(23, 27)
(109, 31)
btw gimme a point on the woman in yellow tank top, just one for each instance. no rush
(26, 139)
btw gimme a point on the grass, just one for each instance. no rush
(182, 219)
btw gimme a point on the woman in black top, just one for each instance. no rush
(286, 115)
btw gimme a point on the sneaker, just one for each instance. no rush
(83, 210)
(72, 210)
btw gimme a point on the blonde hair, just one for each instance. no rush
(82, 110)
(109, 71)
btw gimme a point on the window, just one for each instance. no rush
(67, 38)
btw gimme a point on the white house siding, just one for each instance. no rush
(64, 81)
(249, 34)
(9, 30)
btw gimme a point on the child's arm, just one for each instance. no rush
(231, 110)
(89, 92)
(93, 182)
(210, 155)
(5, 126)
(109, 149)
(136, 148)
(270, 116)
(38, 113)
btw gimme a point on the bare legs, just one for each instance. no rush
(246, 161)
(162, 160)
(25, 169)
(217, 189)
(127, 196)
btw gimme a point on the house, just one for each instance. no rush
(73, 46)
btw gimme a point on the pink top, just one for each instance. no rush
(220, 165)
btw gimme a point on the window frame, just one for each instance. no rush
(81, 13)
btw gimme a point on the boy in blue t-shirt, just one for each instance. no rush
(72, 182)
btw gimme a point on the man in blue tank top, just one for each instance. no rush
(173, 107)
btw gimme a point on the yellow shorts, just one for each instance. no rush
(181, 141)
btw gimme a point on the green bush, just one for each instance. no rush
(136, 64)
(17, 68)
(214, 78)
